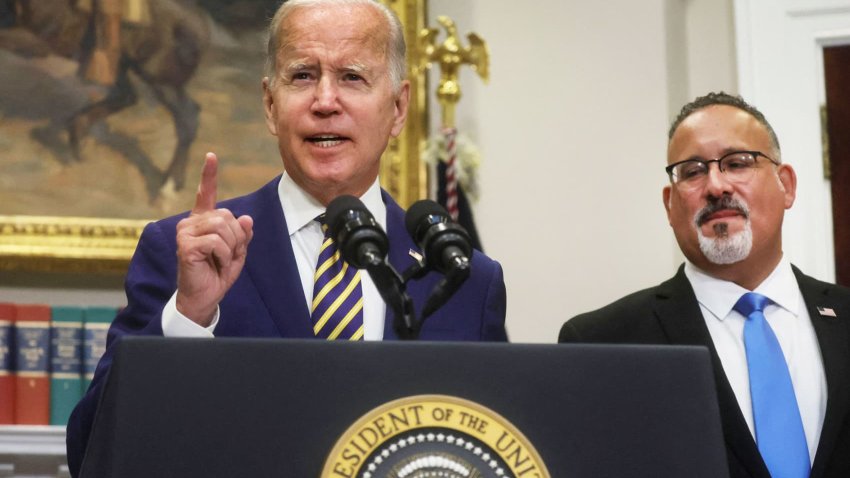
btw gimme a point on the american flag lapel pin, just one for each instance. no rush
(826, 312)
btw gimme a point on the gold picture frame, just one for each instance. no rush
(105, 245)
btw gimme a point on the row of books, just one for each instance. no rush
(47, 359)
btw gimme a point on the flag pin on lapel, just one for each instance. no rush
(826, 312)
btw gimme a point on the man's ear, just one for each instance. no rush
(788, 180)
(402, 101)
(666, 196)
(268, 106)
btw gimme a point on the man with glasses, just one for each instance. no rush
(779, 340)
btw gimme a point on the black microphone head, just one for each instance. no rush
(440, 238)
(355, 230)
(423, 214)
(336, 210)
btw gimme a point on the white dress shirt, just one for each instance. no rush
(306, 236)
(790, 321)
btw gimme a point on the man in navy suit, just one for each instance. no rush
(726, 200)
(334, 95)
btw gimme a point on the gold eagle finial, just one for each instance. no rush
(450, 55)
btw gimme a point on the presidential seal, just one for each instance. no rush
(426, 436)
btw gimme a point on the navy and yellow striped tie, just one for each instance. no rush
(337, 309)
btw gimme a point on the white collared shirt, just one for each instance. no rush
(301, 210)
(790, 321)
(305, 234)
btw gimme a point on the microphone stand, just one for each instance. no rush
(444, 289)
(391, 286)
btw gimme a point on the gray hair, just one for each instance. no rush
(721, 98)
(397, 50)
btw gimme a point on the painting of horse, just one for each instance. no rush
(187, 79)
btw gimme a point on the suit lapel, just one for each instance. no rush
(679, 313)
(272, 268)
(832, 333)
(399, 257)
(681, 319)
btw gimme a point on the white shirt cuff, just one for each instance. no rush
(175, 324)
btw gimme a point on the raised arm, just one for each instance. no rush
(211, 248)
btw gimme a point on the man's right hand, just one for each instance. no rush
(211, 248)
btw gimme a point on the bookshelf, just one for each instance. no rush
(54, 348)
(32, 451)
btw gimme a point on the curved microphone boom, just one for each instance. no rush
(447, 249)
(364, 245)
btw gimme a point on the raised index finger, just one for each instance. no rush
(207, 189)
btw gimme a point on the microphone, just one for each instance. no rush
(446, 244)
(363, 244)
(447, 249)
(360, 239)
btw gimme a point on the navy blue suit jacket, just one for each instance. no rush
(267, 299)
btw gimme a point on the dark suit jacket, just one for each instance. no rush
(669, 314)
(267, 299)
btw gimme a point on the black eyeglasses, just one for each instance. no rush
(737, 166)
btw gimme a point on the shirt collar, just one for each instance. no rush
(719, 296)
(301, 209)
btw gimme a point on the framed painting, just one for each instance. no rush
(100, 134)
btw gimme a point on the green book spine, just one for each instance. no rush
(66, 362)
(95, 326)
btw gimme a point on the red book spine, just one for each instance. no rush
(7, 380)
(32, 380)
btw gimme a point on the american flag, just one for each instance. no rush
(449, 191)
(826, 312)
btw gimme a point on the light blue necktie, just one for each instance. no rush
(779, 428)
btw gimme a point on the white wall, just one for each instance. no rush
(572, 129)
